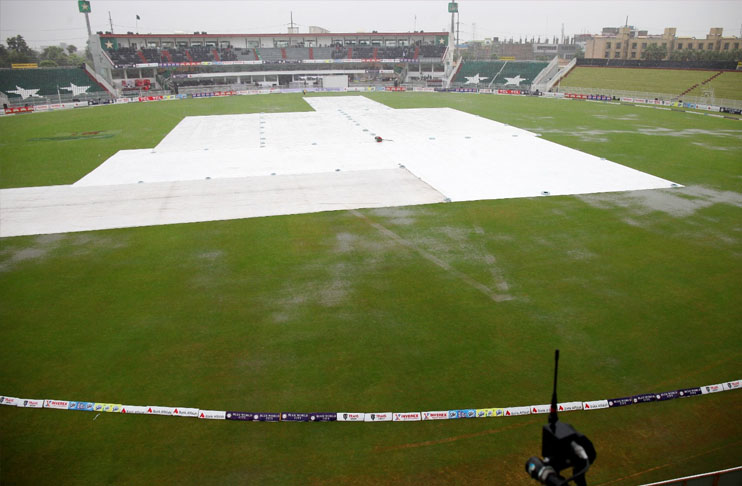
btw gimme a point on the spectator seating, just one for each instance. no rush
(126, 56)
(47, 80)
(497, 71)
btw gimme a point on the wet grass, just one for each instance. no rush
(323, 312)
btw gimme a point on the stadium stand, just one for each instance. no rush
(497, 71)
(47, 82)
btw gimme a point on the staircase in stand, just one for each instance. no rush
(215, 53)
(704, 82)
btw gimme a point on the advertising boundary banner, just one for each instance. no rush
(587, 405)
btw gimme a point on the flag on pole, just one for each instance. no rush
(83, 6)
(138, 17)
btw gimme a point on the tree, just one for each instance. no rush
(18, 44)
(71, 49)
(18, 50)
(53, 53)
(579, 52)
(654, 52)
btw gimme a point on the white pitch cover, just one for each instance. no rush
(212, 414)
(185, 412)
(512, 411)
(540, 408)
(437, 415)
(134, 409)
(377, 417)
(407, 416)
(58, 404)
(595, 405)
(569, 406)
(350, 417)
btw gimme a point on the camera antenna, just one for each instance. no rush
(553, 411)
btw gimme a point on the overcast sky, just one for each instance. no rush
(49, 22)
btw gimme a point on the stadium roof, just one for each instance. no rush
(329, 34)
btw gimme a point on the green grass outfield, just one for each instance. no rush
(670, 81)
(324, 312)
(728, 86)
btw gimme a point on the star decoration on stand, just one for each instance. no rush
(515, 81)
(24, 93)
(476, 79)
(74, 89)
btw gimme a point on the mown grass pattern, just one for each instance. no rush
(323, 312)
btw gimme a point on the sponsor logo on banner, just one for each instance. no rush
(248, 416)
(83, 406)
(407, 416)
(185, 412)
(689, 392)
(712, 389)
(439, 415)
(253, 416)
(58, 404)
(594, 405)
(98, 407)
(323, 417)
(28, 403)
(19, 109)
(350, 417)
(378, 417)
(668, 395)
(212, 414)
(733, 385)
(294, 417)
(644, 398)
(11, 401)
(569, 406)
(540, 408)
(465, 413)
(133, 409)
(513, 411)
(395, 88)
(155, 410)
(493, 412)
(620, 402)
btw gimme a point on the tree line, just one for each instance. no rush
(656, 52)
(17, 51)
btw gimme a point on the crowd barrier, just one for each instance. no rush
(672, 104)
(464, 413)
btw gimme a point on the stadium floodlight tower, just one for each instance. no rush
(448, 61)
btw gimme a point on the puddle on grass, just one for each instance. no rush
(680, 202)
(79, 244)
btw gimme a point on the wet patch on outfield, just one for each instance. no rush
(75, 245)
(681, 202)
(65, 137)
